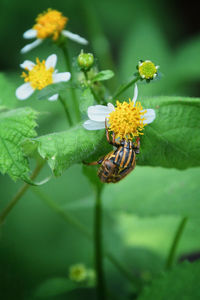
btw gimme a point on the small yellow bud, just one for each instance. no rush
(147, 70)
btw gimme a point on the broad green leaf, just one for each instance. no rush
(54, 287)
(86, 100)
(172, 140)
(66, 148)
(180, 283)
(154, 192)
(103, 75)
(15, 126)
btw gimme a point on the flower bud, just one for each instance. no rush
(147, 70)
(85, 61)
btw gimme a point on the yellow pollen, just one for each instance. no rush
(50, 24)
(147, 70)
(126, 121)
(39, 77)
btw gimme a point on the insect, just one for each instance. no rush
(118, 163)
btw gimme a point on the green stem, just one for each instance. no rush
(125, 87)
(177, 237)
(98, 246)
(96, 97)
(63, 214)
(19, 194)
(67, 218)
(66, 111)
(72, 91)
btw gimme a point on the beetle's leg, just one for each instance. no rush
(93, 163)
(137, 148)
(107, 132)
(114, 142)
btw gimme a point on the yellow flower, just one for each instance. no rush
(126, 120)
(49, 24)
(40, 75)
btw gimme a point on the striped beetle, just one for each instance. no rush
(118, 163)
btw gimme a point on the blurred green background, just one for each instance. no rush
(143, 211)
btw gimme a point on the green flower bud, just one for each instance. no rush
(78, 272)
(85, 60)
(147, 70)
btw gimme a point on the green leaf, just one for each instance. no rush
(103, 75)
(156, 191)
(54, 287)
(181, 283)
(52, 89)
(66, 148)
(86, 100)
(16, 126)
(172, 140)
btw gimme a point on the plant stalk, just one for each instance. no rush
(174, 246)
(72, 91)
(66, 111)
(98, 246)
(126, 86)
(19, 194)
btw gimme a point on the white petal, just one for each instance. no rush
(135, 94)
(24, 91)
(27, 64)
(74, 37)
(150, 116)
(53, 98)
(30, 34)
(111, 107)
(92, 125)
(31, 46)
(51, 61)
(99, 112)
(59, 77)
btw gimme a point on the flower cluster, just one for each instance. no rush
(125, 120)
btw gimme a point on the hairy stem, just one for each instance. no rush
(72, 91)
(176, 240)
(66, 110)
(19, 194)
(98, 246)
(125, 87)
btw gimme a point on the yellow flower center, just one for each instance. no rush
(78, 272)
(50, 24)
(147, 70)
(39, 77)
(126, 121)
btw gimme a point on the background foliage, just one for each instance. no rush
(143, 211)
